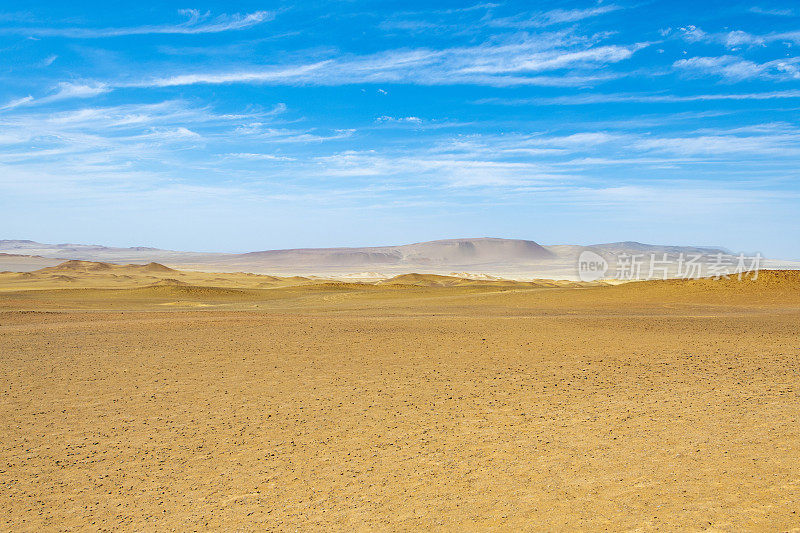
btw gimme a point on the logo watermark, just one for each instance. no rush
(634, 267)
(591, 266)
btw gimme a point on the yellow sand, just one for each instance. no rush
(233, 401)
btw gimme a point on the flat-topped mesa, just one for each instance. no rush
(485, 250)
(481, 250)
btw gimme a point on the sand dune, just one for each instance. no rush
(90, 274)
(75, 265)
(101, 275)
(429, 280)
(169, 282)
(95, 274)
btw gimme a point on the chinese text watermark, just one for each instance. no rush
(632, 267)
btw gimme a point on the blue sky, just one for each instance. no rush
(238, 126)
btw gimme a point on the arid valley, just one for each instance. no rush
(145, 398)
(412, 266)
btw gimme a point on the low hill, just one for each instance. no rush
(76, 265)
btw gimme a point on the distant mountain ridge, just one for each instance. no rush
(464, 248)
(486, 255)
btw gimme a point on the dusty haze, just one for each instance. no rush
(509, 258)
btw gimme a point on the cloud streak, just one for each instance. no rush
(529, 61)
(195, 23)
(467, 21)
(552, 17)
(737, 38)
(17, 102)
(734, 69)
(600, 98)
(62, 91)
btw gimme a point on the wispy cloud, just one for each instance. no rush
(17, 102)
(454, 170)
(772, 11)
(62, 91)
(195, 23)
(735, 39)
(66, 90)
(600, 98)
(259, 157)
(260, 131)
(483, 16)
(519, 62)
(773, 140)
(783, 145)
(518, 160)
(49, 60)
(291, 74)
(733, 68)
(148, 153)
(130, 140)
(552, 17)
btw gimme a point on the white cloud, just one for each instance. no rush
(518, 62)
(117, 139)
(547, 61)
(62, 91)
(599, 98)
(773, 12)
(408, 120)
(740, 38)
(258, 130)
(550, 18)
(737, 38)
(693, 33)
(196, 23)
(169, 135)
(260, 157)
(448, 171)
(432, 21)
(17, 102)
(66, 90)
(733, 68)
(292, 74)
(783, 145)
(777, 141)
(49, 60)
(583, 139)
(572, 15)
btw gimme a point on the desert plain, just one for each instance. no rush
(145, 398)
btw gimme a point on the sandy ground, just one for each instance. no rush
(335, 406)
